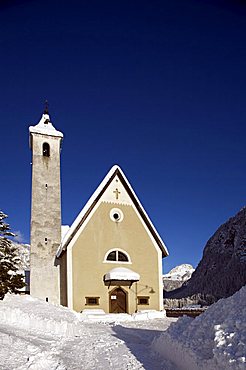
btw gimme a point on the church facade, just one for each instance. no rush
(110, 258)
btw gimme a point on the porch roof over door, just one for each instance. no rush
(121, 275)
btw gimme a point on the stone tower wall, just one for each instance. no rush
(45, 218)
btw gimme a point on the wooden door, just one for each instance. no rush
(117, 301)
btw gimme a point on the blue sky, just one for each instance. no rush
(157, 87)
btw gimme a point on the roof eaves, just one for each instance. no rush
(86, 210)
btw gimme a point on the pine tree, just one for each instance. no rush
(10, 279)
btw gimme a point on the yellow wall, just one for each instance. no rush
(88, 251)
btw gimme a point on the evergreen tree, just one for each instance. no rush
(10, 279)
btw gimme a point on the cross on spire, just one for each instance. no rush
(46, 106)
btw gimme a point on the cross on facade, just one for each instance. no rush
(117, 192)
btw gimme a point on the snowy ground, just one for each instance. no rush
(36, 335)
(100, 347)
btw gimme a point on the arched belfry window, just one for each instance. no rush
(117, 255)
(46, 150)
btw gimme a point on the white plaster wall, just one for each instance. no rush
(45, 218)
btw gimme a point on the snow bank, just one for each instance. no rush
(30, 313)
(214, 340)
(148, 315)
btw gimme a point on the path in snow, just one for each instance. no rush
(100, 346)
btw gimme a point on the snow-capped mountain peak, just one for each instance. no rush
(181, 273)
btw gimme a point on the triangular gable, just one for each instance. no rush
(128, 193)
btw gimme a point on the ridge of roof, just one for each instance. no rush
(115, 170)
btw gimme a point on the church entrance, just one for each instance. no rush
(117, 301)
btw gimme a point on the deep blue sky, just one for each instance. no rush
(158, 87)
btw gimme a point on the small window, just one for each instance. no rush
(112, 256)
(122, 257)
(117, 256)
(116, 215)
(46, 150)
(92, 301)
(143, 300)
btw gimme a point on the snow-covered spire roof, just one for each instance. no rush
(45, 127)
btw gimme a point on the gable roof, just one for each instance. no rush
(82, 216)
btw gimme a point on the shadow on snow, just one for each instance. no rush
(139, 343)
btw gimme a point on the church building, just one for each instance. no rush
(110, 258)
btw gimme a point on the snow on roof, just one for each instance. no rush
(121, 273)
(64, 231)
(92, 201)
(45, 127)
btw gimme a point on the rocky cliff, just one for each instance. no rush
(222, 270)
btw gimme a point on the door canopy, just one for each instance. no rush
(121, 276)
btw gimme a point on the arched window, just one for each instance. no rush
(111, 256)
(46, 150)
(117, 255)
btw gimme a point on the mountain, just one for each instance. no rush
(177, 276)
(222, 269)
(24, 254)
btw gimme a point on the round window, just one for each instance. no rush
(116, 215)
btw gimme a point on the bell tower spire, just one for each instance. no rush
(45, 143)
(46, 107)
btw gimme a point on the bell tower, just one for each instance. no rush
(45, 143)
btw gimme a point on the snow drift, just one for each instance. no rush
(30, 313)
(214, 340)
